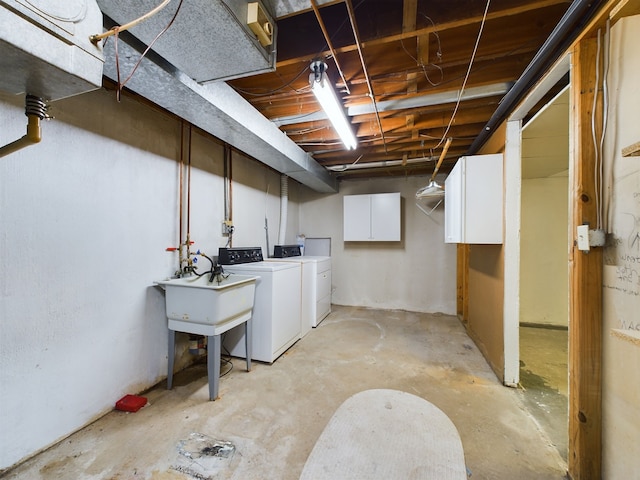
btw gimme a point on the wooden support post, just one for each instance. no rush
(462, 296)
(585, 278)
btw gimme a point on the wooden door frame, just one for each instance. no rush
(585, 269)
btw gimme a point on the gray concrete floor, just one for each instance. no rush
(274, 414)
(545, 382)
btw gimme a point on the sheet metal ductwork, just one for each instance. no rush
(45, 49)
(209, 39)
(217, 109)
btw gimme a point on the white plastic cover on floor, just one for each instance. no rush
(387, 434)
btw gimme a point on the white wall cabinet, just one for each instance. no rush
(372, 218)
(473, 200)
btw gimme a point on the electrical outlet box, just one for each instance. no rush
(597, 238)
(227, 227)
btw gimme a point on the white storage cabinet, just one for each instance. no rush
(473, 201)
(372, 218)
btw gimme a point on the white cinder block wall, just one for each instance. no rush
(621, 276)
(86, 216)
(416, 274)
(85, 220)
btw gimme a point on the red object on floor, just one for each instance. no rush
(131, 403)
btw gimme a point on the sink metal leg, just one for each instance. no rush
(248, 344)
(213, 365)
(172, 353)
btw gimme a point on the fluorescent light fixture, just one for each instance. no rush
(326, 96)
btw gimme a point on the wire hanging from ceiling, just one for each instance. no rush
(116, 34)
(464, 83)
(422, 64)
(306, 88)
(519, 48)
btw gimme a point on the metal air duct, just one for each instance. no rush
(45, 49)
(209, 39)
(219, 110)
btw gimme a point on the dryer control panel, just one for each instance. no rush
(285, 251)
(235, 256)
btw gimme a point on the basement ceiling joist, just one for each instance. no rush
(415, 51)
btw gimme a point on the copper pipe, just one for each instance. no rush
(32, 136)
(189, 197)
(35, 110)
(96, 38)
(328, 40)
(180, 194)
(356, 36)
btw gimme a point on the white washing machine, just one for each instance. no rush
(315, 284)
(276, 310)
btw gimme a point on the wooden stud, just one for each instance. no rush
(409, 12)
(625, 8)
(585, 279)
(462, 297)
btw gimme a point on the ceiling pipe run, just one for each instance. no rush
(580, 12)
(417, 101)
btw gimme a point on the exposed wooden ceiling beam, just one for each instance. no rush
(507, 12)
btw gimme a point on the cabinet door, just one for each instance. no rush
(385, 217)
(483, 199)
(453, 205)
(473, 201)
(357, 218)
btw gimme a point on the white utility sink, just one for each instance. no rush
(196, 305)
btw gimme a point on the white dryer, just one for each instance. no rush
(276, 310)
(315, 284)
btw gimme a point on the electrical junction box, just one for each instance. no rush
(596, 238)
(589, 238)
(227, 227)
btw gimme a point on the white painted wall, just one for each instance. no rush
(416, 274)
(544, 282)
(621, 295)
(85, 219)
(256, 196)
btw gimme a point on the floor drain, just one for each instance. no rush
(202, 457)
